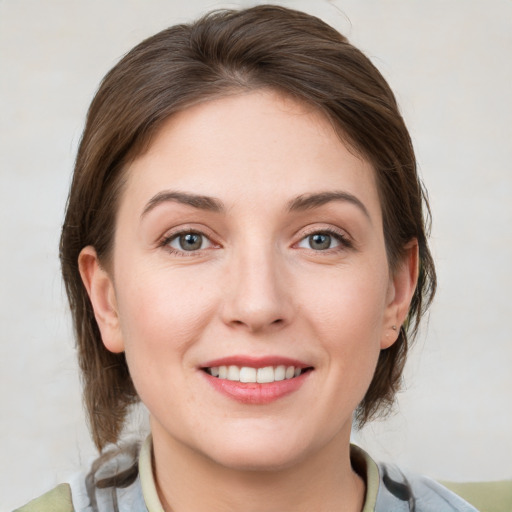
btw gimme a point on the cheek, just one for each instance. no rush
(162, 312)
(347, 314)
(347, 304)
(162, 316)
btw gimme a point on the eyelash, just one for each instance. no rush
(166, 241)
(343, 241)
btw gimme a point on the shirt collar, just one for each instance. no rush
(147, 480)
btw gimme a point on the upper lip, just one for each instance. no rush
(255, 362)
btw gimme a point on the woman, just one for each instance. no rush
(244, 251)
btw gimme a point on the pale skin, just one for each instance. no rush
(287, 259)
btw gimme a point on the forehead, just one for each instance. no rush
(260, 144)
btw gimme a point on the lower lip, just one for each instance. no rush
(255, 393)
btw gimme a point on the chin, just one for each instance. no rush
(259, 453)
(261, 461)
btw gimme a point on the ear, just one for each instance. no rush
(402, 285)
(100, 289)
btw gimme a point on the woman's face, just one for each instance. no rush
(249, 247)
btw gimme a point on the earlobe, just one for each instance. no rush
(401, 290)
(100, 289)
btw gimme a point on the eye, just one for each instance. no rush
(189, 241)
(321, 241)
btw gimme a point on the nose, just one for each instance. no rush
(257, 296)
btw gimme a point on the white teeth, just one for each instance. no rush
(233, 373)
(265, 374)
(247, 374)
(280, 373)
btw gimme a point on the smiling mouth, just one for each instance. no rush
(248, 374)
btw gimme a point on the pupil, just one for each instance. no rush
(190, 241)
(320, 241)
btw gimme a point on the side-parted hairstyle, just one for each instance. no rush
(220, 54)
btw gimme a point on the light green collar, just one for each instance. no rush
(146, 477)
(366, 467)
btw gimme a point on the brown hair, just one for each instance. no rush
(225, 51)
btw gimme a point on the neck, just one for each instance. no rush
(323, 481)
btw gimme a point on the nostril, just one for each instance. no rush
(256, 326)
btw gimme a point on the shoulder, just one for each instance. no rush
(56, 500)
(77, 496)
(493, 496)
(390, 488)
(400, 490)
(112, 484)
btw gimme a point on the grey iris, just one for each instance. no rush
(320, 241)
(191, 241)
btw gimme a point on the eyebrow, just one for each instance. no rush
(315, 200)
(300, 203)
(194, 200)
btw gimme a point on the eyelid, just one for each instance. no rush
(205, 241)
(344, 239)
(173, 233)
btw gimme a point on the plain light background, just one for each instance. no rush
(448, 62)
